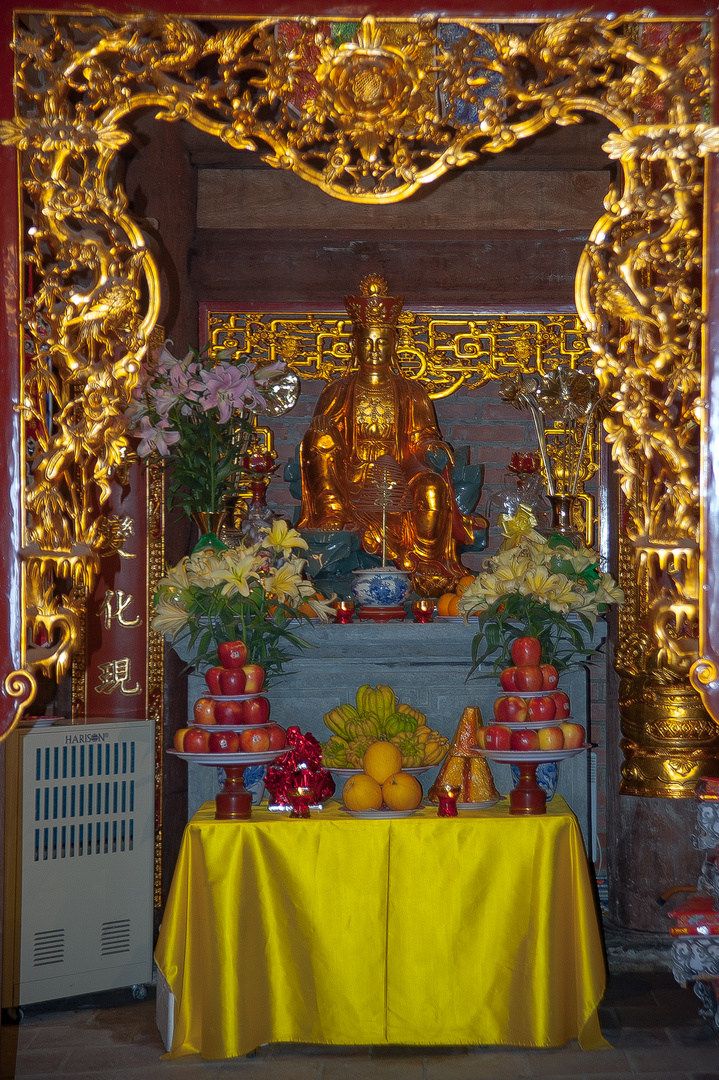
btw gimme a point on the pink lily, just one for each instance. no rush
(156, 438)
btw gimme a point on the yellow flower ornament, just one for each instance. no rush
(518, 527)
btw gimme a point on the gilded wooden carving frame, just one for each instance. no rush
(369, 111)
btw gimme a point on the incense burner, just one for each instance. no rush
(381, 586)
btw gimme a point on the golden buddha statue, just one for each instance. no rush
(371, 413)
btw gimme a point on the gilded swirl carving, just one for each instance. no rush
(21, 687)
(370, 112)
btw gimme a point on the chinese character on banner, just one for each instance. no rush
(116, 675)
(116, 670)
(114, 605)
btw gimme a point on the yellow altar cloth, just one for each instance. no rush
(423, 931)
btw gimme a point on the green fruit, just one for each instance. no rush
(398, 722)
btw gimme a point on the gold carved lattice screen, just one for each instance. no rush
(447, 353)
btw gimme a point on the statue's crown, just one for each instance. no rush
(374, 307)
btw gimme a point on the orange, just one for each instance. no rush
(361, 792)
(464, 583)
(381, 760)
(402, 791)
(444, 602)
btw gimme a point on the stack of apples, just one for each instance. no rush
(533, 714)
(234, 716)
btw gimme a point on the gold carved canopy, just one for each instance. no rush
(369, 111)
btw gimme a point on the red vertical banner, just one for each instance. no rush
(117, 652)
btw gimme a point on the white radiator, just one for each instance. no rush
(87, 854)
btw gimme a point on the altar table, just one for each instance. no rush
(423, 931)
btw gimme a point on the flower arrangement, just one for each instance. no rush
(193, 414)
(253, 592)
(532, 586)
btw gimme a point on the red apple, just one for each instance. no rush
(196, 741)
(550, 676)
(232, 654)
(573, 735)
(526, 650)
(232, 681)
(212, 678)
(254, 741)
(229, 712)
(255, 678)
(506, 679)
(528, 677)
(561, 701)
(179, 740)
(278, 739)
(224, 742)
(496, 737)
(524, 739)
(511, 709)
(551, 738)
(204, 711)
(255, 711)
(541, 709)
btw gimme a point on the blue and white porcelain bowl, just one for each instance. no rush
(381, 586)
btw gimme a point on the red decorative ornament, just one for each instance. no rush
(299, 767)
(525, 463)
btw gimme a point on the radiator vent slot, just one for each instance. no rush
(48, 948)
(115, 937)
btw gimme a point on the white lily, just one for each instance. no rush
(171, 617)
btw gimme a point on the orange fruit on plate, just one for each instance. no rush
(464, 583)
(402, 791)
(447, 604)
(382, 760)
(361, 792)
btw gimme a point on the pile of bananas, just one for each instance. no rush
(378, 716)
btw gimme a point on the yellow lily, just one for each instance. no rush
(282, 537)
(283, 582)
(239, 574)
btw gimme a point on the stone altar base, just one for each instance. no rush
(426, 664)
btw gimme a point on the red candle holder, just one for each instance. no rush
(300, 799)
(448, 802)
(423, 610)
(344, 611)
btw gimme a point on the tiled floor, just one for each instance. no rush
(651, 1023)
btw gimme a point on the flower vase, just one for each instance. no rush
(565, 512)
(209, 524)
